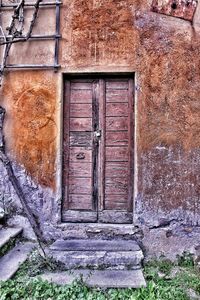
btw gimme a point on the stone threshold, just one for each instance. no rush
(99, 278)
(98, 231)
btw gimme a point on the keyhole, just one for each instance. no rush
(174, 5)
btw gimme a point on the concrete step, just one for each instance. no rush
(93, 245)
(99, 278)
(6, 234)
(10, 263)
(97, 254)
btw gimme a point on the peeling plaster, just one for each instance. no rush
(117, 36)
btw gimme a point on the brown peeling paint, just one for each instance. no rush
(164, 52)
(30, 100)
(98, 33)
(173, 106)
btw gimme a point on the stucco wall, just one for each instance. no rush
(117, 36)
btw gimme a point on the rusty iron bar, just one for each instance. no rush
(26, 5)
(16, 39)
(31, 38)
(56, 53)
(36, 36)
(31, 66)
(13, 32)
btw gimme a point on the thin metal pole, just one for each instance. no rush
(35, 36)
(32, 38)
(56, 53)
(55, 36)
(42, 4)
(31, 66)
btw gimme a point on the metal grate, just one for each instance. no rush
(40, 37)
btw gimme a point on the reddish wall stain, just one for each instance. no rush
(170, 97)
(163, 51)
(98, 33)
(165, 54)
(30, 98)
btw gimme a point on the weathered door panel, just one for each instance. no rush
(78, 177)
(117, 163)
(98, 151)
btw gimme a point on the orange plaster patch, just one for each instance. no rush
(31, 114)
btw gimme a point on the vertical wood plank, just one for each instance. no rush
(95, 127)
(66, 143)
(102, 125)
(120, 128)
(131, 144)
(78, 148)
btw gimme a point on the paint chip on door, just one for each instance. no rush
(183, 9)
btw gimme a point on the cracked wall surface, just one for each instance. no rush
(117, 36)
(30, 101)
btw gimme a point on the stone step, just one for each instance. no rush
(99, 231)
(10, 263)
(97, 254)
(95, 245)
(99, 278)
(6, 234)
(98, 259)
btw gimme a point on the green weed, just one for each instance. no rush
(36, 264)
(8, 246)
(163, 265)
(185, 260)
(36, 289)
(167, 287)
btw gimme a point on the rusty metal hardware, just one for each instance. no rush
(80, 155)
(97, 133)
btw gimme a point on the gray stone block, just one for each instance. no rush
(98, 231)
(95, 245)
(10, 262)
(7, 234)
(98, 259)
(98, 278)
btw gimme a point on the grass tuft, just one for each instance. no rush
(163, 283)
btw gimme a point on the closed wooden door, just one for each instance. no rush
(98, 149)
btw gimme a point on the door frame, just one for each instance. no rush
(96, 75)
